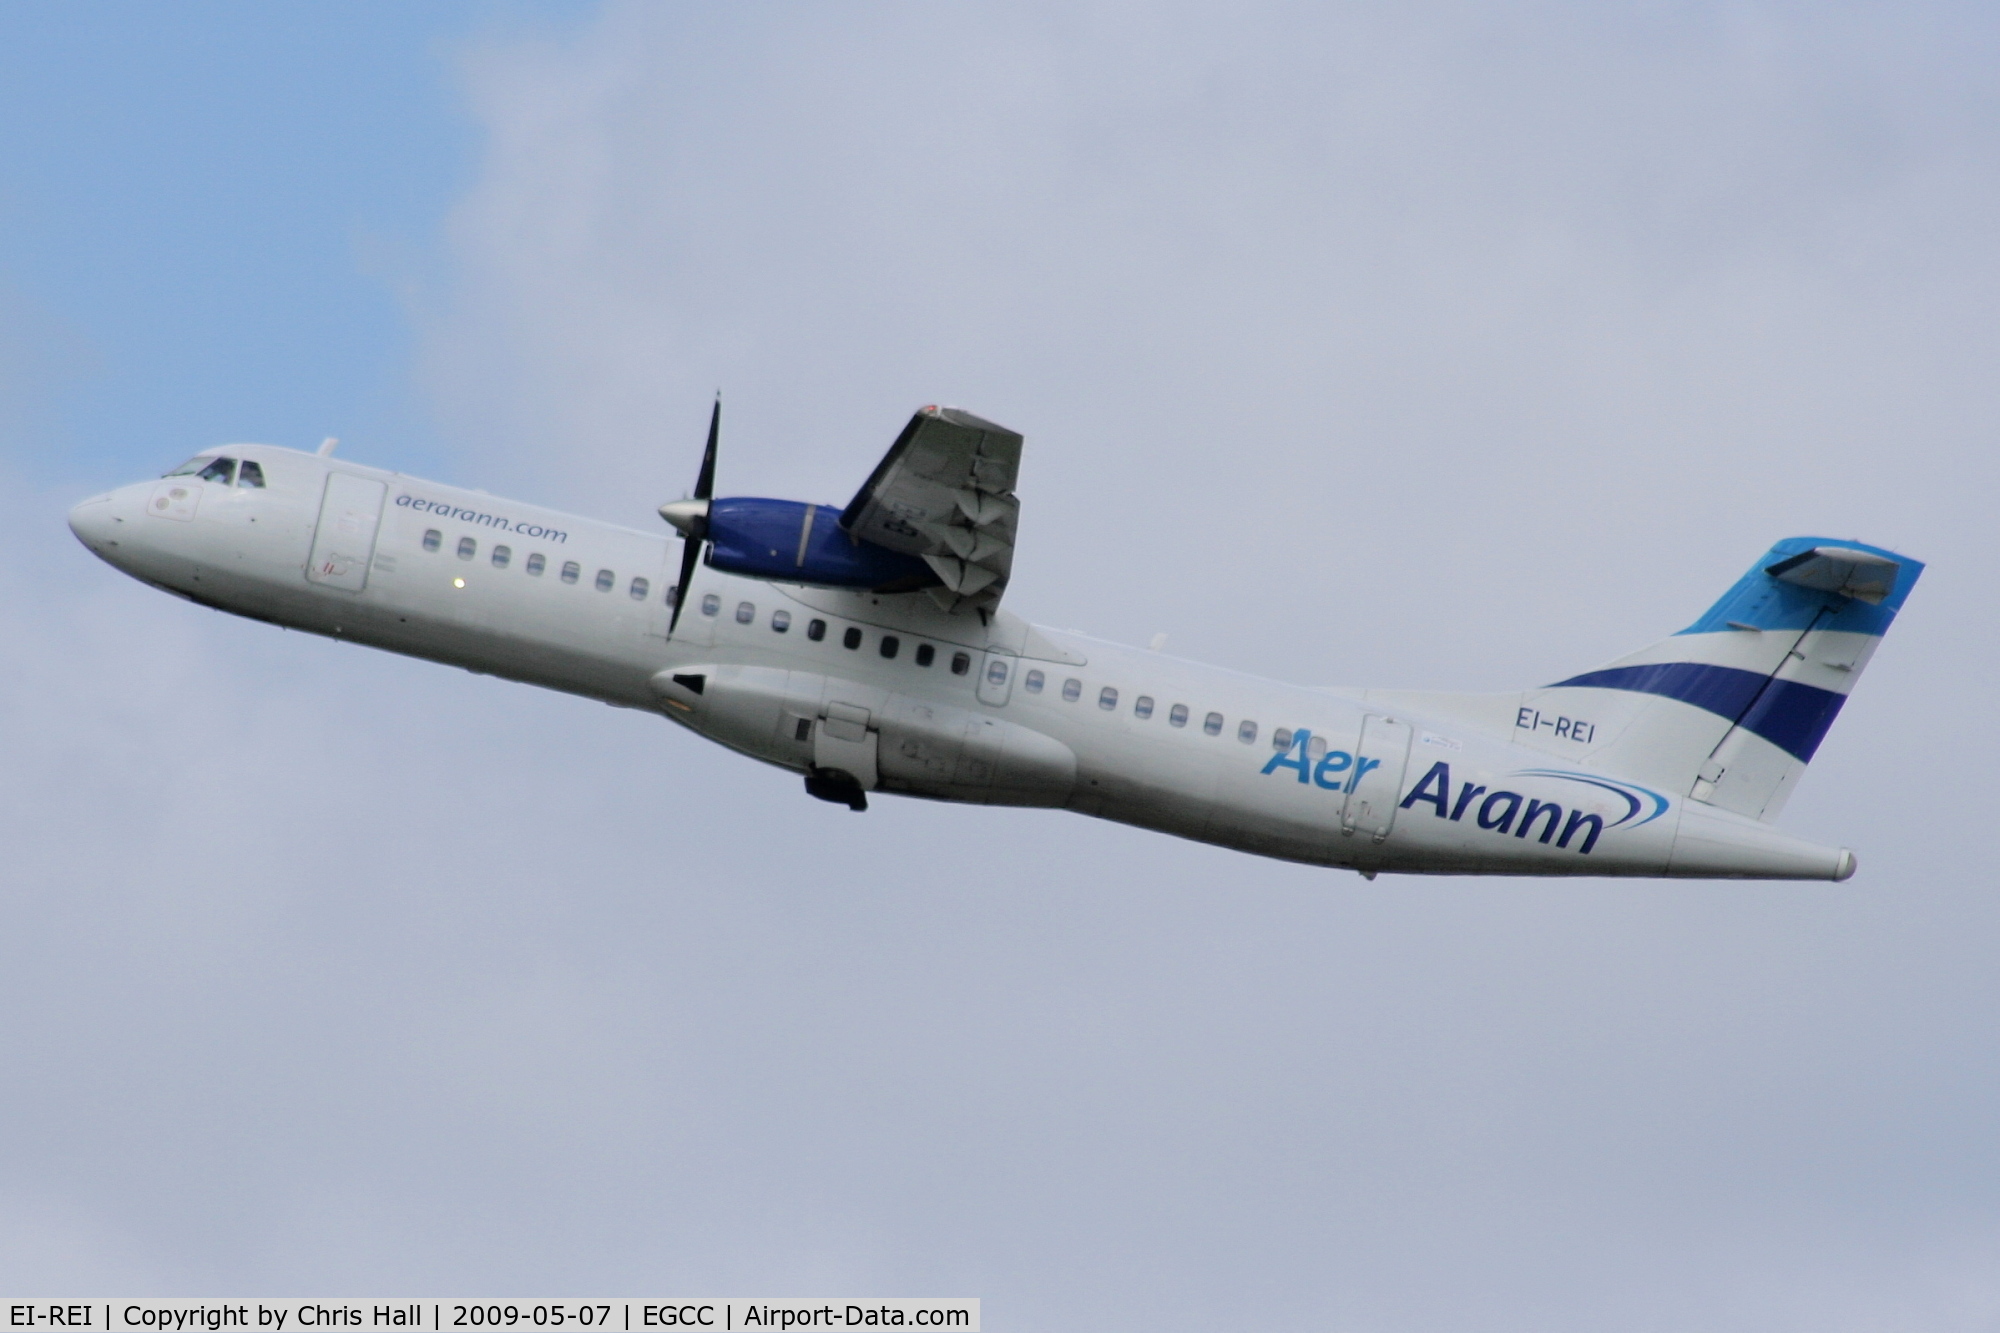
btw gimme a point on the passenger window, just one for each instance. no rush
(673, 597)
(1316, 748)
(641, 588)
(996, 671)
(467, 548)
(1281, 739)
(1032, 682)
(1072, 690)
(605, 578)
(1212, 724)
(890, 645)
(433, 539)
(572, 571)
(1246, 731)
(710, 604)
(851, 639)
(501, 555)
(746, 612)
(251, 476)
(222, 470)
(781, 621)
(1142, 707)
(961, 663)
(816, 630)
(1107, 698)
(536, 564)
(926, 654)
(1177, 715)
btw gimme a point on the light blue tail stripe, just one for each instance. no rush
(1759, 601)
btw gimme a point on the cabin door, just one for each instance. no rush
(1377, 782)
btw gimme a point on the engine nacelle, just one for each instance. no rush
(788, 541)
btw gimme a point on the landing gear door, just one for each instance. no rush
(344, 541)
(1379, 760)
(996, 678)
(846, 740)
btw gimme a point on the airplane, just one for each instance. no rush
(864, 648)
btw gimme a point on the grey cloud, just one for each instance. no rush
(1460, 348)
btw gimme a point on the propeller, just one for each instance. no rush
(691, 517)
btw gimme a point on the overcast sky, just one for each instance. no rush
(1468, 346)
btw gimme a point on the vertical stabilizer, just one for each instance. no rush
(1731, 709)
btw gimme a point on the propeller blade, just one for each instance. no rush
(690, 557)
(692, 519)
(704, 485)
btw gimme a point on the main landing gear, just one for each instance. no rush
(836, 785)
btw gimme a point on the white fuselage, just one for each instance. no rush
(998, 713)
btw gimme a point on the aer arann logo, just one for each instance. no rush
(1511, 812)
(1335, 770)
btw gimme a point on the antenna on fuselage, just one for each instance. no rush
(328, 445)
(691, 515)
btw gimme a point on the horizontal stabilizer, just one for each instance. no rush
(1840, 569)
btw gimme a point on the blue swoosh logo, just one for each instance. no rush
(1631, 792)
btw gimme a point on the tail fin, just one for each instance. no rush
(1731, 709)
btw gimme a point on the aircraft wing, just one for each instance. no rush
(945, 492)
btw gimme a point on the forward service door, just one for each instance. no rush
(344, 541)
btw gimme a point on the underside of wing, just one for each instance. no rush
(945, 493)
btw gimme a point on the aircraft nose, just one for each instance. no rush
(95, 522)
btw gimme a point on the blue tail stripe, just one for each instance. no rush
(1791, 716)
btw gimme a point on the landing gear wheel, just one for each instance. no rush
(836, 785)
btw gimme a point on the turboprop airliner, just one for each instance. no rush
(864, 647)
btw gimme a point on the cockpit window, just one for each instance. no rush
(251, 475)
(192, 466)
(222, 470)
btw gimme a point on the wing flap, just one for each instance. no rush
(945, 492)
